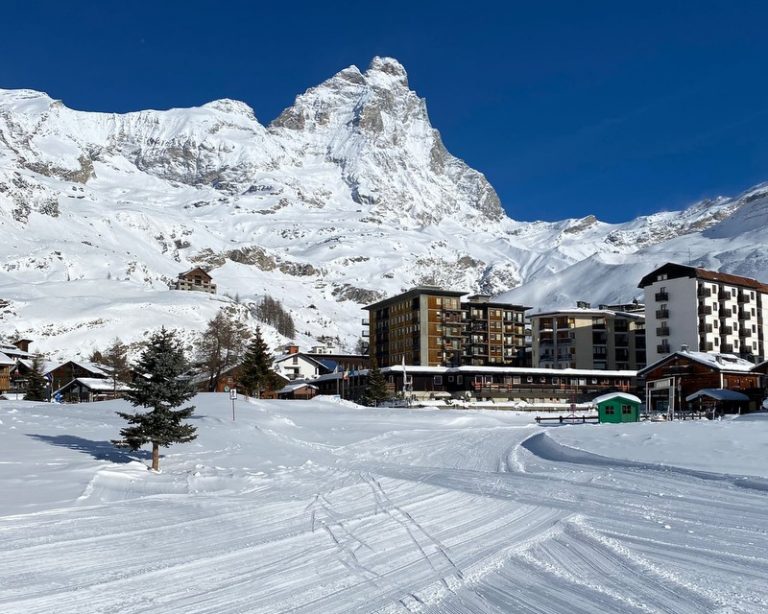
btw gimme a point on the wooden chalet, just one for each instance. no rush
(670, 381)
(297, 391)
(89, 390)
(195, 280)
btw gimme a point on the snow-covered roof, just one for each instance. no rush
(592, 312)
(613, 395)
(6, 360)
(510, 371)
(49, 366)
(97, 384)
(283, 357)
(294, 387)
(713, 360)
(719, 394)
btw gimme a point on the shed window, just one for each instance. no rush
(626, 409)
(609, 411)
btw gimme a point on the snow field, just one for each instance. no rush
(322, 506)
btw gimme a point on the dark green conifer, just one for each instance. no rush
(159, 386)
(256, 373)
(36, 384)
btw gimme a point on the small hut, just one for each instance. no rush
(617, 407)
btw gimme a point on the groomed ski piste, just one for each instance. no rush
(322, 506)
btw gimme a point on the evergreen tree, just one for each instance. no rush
(256, 373)
(159, 387)
(37, 383)
(376, 391)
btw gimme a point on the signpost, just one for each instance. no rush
(233, 397)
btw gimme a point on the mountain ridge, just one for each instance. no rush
(347, 196)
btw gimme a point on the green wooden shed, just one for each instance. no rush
(616, 407)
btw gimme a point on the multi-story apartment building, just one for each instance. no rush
(586, 338)
(431, 327)
(495, 332)
(692, 308)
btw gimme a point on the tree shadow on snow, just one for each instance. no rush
(100, 450)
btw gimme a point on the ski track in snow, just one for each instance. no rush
(338, 509)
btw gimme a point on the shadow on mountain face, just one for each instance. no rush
(100, 450)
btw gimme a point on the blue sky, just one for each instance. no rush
(570, 108)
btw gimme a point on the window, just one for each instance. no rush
(295, 360)
(450, 379)
(516, 380)
(529, 379)
(542, 380)
(439, 300)
(437, 380)
(593, 380)
(555, 381)
(626, 409)
(609, 411)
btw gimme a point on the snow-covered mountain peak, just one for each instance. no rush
(347, 197)
(387, 72)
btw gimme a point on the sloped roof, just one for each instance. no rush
(713, 360)
(718, 394)
(613, 395)
(676, 271)
(96, 384)
(294, 387)
(6, 360)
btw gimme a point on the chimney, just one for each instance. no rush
(684, 347)
(22, 344)
(293, 349)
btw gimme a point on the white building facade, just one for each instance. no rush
(704, 311)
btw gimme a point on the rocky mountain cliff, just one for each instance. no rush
(348, 196)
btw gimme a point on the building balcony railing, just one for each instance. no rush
(724, 295)
(726, 330)
(705, 310)
(727, 348)
(366, 322)
(704, 292)
(742, 298)
(663, 348)
(744, 315)
(745, 332)
(662, 314)
(726, 313)
(662, 332)
(661, 296)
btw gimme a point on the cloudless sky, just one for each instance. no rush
(570, 108)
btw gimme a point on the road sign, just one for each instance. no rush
(233, 394)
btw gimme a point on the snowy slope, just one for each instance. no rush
(348, 196)
(319, 506)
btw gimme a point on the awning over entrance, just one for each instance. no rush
(718, 394)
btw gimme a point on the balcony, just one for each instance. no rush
(662, 331)
(662, 349)
(724, 295)
(704, 292)
(742, 298)
(726, 313)
(661, 296)
(745, 332)
(726, 330)
(662, 314)
(366, 322)
(744, 315)
(705, 310)
(726, 348)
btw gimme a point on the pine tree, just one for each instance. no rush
(256, 373)
(158, 386)
(37, 383)
(376, 390)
